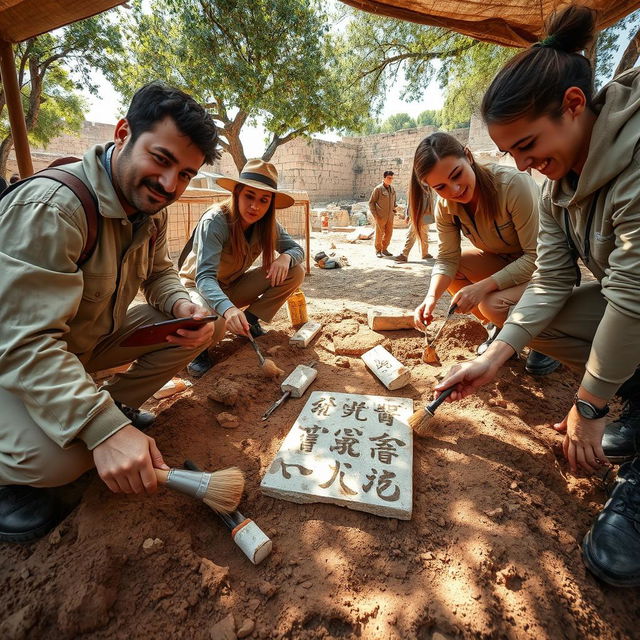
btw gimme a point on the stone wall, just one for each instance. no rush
(327, 171)
(92, 133)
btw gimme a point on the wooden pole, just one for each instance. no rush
(14, 107)
(307, 234)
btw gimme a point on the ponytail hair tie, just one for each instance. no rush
(549, 41)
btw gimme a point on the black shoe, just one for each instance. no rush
(379, 254)
(621, 438)
(492, 332)
(256, 330)
(540, 365)
(611, 548)
(139, 419)
(386, 253)
(200, 365)
(27, 513)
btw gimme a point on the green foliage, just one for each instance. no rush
(607, 45)
(382, 51)
(397, 122)
(429, 117)
(45, 66)
(467, 80)
(272, 60)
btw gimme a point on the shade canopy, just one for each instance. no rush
(23, 19)
(513, 23)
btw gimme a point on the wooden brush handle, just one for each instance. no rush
(440, 399)
(161, 475)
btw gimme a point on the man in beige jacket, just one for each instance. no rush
(382, 205)
(62, 317)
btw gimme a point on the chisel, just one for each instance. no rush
(294, 385)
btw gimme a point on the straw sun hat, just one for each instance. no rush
(261, 175)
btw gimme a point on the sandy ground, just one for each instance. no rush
(492, 549)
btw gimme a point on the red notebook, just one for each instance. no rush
(157, 333)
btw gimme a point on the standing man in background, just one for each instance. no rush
(382, 205)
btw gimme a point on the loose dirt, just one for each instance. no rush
(492, 549)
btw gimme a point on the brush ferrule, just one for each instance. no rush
(193, 483)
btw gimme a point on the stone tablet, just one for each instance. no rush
(347, 449)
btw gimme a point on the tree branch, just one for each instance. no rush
(630, 55)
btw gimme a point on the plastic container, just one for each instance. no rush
(297, 308)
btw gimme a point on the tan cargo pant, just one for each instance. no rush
(29, 456)
(254, 291)
(384, 231)
(412, 236)
(476, 265)
(569, 336)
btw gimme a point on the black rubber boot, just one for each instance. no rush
(540, 365)
(611, 548)
(621, 439)
(200, 365)
(139, 419)
(27, 513)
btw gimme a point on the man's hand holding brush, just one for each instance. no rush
(469, 376)
(126, 460)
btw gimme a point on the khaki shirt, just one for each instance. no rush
(382, 202)
(608, 191)
(510, 231)
(53, 314)
(212, 266)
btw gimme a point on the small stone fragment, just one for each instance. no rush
(246, 628)
(307, 584)
(272, 351)
(151, 545)
(343, 362)
(514, 485)
(441, 522)
(25, 573)
(226, 392)
(228, 420)
(254, 603)
(267, 589)
(55, 537)
(495, 513)
(213, 575)
(225, 629)
(497, 402)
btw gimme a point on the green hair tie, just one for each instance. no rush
(549, 41)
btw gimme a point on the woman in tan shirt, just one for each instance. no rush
(496, 208)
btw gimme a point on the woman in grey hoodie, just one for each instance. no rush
(540, 108)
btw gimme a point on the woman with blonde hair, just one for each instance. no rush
(228, 239)
(495, 207)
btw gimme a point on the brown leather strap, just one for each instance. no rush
(87, 200)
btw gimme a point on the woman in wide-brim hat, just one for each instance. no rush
(228, 239)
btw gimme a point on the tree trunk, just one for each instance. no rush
(5, 149)
(232, 134)
(630, 55)
(236, 150)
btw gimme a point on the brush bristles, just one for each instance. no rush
(271, 369)
(419, 421)
(225, 490)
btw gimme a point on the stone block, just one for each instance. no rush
(351, 450)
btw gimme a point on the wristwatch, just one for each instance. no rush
(588, 410)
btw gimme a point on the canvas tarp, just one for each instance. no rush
(515, 23)
(23, 19)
